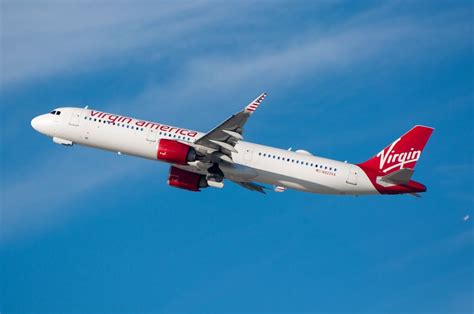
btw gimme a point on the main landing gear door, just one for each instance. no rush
(352, 177)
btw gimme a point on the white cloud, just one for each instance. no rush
(44, 40)
(40, 39)
(30, 202)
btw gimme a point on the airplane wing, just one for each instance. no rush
(224, 137)
(252, 186)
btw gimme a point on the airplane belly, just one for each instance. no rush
(294, 183)
(318, 183)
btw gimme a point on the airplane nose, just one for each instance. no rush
(35, 123)
(41, 124)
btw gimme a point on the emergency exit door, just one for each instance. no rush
(75, 117)
(353, 174)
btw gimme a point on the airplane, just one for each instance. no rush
(200, 160)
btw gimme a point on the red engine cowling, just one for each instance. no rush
(175, 152)
(187, 180)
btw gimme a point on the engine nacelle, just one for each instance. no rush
(175, 152)
(186, 180)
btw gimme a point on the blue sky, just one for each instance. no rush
(86, 230)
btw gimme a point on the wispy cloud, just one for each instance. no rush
(31, 202)
(456, 185)
(442, 247)
(436, 250)
(41, 40)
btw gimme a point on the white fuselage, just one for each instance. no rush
(252, 162)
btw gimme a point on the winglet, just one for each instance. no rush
(254, 104)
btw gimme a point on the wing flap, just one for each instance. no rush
(252, 186)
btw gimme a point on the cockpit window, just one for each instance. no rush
(53, 112)
(58, 113)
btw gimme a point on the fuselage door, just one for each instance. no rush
(353, 174)
(75, 117)
(248, 153)
(151, 137)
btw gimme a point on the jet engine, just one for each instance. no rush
(175, 152)
(186, 180)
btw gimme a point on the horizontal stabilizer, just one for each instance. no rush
(402, 176)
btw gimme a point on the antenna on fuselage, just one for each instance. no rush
(86, 107)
